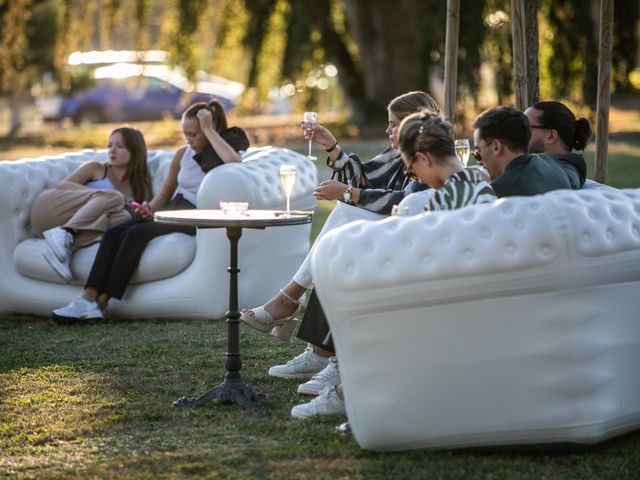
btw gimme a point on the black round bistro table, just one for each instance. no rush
(232, 389)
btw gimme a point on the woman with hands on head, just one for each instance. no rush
(93, 198)
(210, 143)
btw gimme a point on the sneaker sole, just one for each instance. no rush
(305, 417)
(302, 390)
(57, 266)
(62, 320)
(292, 375)
(62, 256)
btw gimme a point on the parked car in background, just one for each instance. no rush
(126, 91)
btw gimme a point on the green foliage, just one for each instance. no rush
(14, 43)
(260, 13)
(569, 61)
(182, 39)
(625, 43)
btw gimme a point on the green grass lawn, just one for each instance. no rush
(94, 402)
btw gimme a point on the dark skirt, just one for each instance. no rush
(314, 327)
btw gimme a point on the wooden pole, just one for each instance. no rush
(604, 90)
(519, 54)
(531, 46)
(451, 59)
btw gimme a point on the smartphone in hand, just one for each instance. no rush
(142, 208)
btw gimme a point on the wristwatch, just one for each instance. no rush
(346, 196)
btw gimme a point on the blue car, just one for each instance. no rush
(131, 92)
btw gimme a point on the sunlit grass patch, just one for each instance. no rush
(51, 403)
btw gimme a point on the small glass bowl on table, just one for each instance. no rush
(234, 208)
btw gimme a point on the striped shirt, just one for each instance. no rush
(381, 179)
(463, 188)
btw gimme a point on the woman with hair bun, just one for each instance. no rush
(210, 143)
(428, 151)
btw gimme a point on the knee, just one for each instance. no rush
(111, 198)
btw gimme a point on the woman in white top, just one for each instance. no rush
(209, 143)
(92, 199)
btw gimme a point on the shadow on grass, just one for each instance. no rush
(95, 401)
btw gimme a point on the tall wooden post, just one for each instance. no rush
(519, 54)
(531, 49)
(604, 90)
(451, 59)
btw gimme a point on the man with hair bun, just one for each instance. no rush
(556, 131)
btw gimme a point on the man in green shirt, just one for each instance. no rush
(555, 130)
(502, 136)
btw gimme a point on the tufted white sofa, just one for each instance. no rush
(179, 276)
(515, 323)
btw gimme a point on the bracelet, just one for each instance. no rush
(329, 150)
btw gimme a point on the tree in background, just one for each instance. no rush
(569, 60)
(380, 49)
(25, 49)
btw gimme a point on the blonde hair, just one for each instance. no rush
(426, 131)
(411, 102)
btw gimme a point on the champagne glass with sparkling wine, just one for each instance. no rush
(287, 178)
(310, 123)
(463, 149)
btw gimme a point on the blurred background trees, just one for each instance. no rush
(321, 55)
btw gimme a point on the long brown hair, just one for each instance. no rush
(137, 170)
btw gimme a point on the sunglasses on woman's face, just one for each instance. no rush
(477, 156)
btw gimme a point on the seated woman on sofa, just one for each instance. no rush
(428, 152)
(369, 188)
(93, 198)
(210, 143)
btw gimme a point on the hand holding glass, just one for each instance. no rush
(463, 150)
(287, 178)
(310, 123)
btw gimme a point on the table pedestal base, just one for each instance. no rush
(229, 391)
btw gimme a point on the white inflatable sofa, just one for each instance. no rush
(516, 323)
(179, 276)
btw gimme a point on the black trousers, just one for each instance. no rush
(121, 248)
(314, 327)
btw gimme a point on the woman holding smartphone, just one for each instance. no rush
(92, 199)
(210, 143)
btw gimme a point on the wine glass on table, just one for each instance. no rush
(287, 178)
(463, 150)
(310, 123)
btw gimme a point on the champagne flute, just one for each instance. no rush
(310, 123)
(463, 150)
(287, 178)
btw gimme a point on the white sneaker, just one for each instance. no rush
(59, 241)
(305, 365)
(62, 268)
(80, 309)
(329, 376)
(327, 403)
